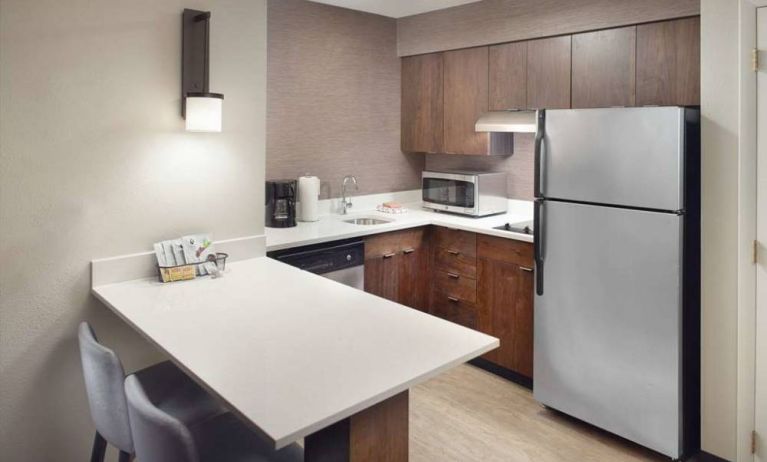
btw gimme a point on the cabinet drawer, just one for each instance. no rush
(454, 310)
(453, 261)
(508, 250)
(455, 240)
(455, 285)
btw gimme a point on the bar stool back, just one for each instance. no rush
(104, 377)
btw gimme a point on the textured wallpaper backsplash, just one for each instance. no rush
(518, 166)
(333, 99)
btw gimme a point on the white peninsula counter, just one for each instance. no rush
(297, 355)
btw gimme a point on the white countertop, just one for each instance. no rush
(332, 227)
(290, 351)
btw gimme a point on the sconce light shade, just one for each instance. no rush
(203, 112)
(201, 108)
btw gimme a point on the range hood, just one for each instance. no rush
(507, 122)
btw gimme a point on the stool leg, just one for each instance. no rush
(99, 448)
(125, 457)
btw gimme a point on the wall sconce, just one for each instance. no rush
(201, 108)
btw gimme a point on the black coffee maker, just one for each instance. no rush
(280, 203)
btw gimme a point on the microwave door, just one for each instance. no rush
(450, 192)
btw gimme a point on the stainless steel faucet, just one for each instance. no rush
(346, 202)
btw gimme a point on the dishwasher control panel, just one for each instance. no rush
(323, 258)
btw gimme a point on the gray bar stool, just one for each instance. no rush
(160, 437)
(168, 386)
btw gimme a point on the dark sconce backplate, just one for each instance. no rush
(195, 56)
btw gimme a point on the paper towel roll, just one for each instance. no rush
(308, 197)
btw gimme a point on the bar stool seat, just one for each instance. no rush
(226, 438)
(178, 395)
(159, 437)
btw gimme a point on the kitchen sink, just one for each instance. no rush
(367, 221)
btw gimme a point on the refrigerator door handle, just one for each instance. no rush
(539, 134)
(538, 244)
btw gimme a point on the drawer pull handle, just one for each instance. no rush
(452, 275)
(407, 251)
(453, 252)
(389, 255)
(525, 268)
(453, 299)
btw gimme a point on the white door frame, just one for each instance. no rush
(747, 207)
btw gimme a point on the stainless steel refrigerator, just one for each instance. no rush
(617, 271)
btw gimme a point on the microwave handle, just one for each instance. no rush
(539, 134)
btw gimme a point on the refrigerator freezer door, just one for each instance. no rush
(608, 325)
(621, 156)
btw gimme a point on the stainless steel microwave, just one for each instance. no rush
(468, 193)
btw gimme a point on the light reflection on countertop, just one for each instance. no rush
(333, 227)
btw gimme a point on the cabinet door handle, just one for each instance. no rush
(525, 268)
(453, 299)
(452, 275)
(407, 251)
(389, 255)
(453, 252)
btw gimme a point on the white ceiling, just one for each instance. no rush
(396, 8)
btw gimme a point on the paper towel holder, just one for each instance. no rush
(308, 197)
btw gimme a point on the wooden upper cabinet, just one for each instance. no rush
(508, 76)
(421, 115)
(604, 68)
(668, 63)
(548, 73)
(443, 94)
(466, 97)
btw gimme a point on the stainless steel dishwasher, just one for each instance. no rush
(341, 261)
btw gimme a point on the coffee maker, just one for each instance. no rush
(280, 203)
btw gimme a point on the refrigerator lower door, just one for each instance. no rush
(608, 325)
(631, 157)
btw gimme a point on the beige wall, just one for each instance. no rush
(94, 162)
(719, 113)
(334, 99)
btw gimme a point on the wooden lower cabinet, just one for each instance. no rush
(455, 285)
(382, 275)
(396, 267)
(505, 299)
(454, 310)
(413, 277)
(478, 281)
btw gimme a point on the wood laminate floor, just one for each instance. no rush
(468, 414)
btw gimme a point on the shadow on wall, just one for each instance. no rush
(58, 390)
(344, 120)
(519, 166)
